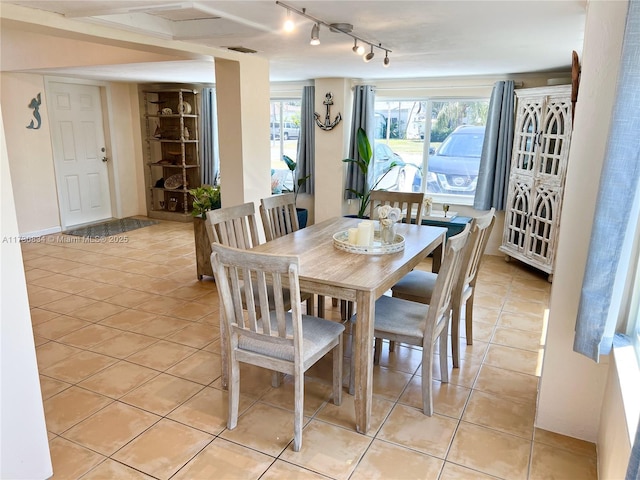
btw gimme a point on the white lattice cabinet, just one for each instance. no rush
(536, 181)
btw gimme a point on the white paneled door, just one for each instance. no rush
(80, 155)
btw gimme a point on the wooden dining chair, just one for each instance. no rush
(279, 217)
(419, 285)
(420, 324)
(409, 203)
(280, 340)
(234, 226)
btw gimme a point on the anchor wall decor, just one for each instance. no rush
(328, 124)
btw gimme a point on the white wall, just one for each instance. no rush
(331, 148)
(242, 97)
(127, 162)
(572, 386)
(24, 446)
(30, 154)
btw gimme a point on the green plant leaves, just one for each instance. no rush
(205, 198)
(290, 163)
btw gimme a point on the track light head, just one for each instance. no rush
(369, 56)
(385, 62)
(289, 26)
(315, 34)
(357, 49)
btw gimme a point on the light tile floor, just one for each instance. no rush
(127, 343)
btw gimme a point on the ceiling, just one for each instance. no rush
(426, 38)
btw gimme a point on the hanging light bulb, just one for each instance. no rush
(315, 34)
(385, 62)
(369, 56)
(288, 23)
(357, 49)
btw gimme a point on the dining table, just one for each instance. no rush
(359, 277)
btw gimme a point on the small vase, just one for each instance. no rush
(388, 234)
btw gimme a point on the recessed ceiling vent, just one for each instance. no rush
(241, 49)
(182, 14)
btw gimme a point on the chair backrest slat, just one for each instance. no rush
(407, 202)
(279, 217)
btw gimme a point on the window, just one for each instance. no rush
(284, 131)
(448, 167)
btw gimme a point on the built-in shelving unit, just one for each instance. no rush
(172, 151)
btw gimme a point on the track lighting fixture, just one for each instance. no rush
(344, 28)
(369, 56)
(357, 49)
(288, 23)
(315, 34)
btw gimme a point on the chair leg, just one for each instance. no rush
(275, 379)
(392, 345)
(338, 352)
(224, 358)
(346, 309)
(234, 394)
(298, 409)
(427, 380)
(377, 348)
(310, 305)
(321, 306)
(444, 349)
(352, 367)
(455, 335)
(469, 318)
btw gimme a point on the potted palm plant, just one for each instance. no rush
(303, 213)
(365, 157)
(205, 198)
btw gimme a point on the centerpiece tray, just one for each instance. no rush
(341, 242)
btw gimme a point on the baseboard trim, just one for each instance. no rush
(41, 233)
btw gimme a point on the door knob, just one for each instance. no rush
(105, 159)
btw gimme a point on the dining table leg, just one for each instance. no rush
(363, 358)
(438, 254)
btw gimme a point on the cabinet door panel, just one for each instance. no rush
(526, 135)
(543, 224)
(554, 144)
(517, 213)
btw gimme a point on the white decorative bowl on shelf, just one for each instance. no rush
(341, 242)
(185, 108)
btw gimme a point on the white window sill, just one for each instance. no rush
(629, 375)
